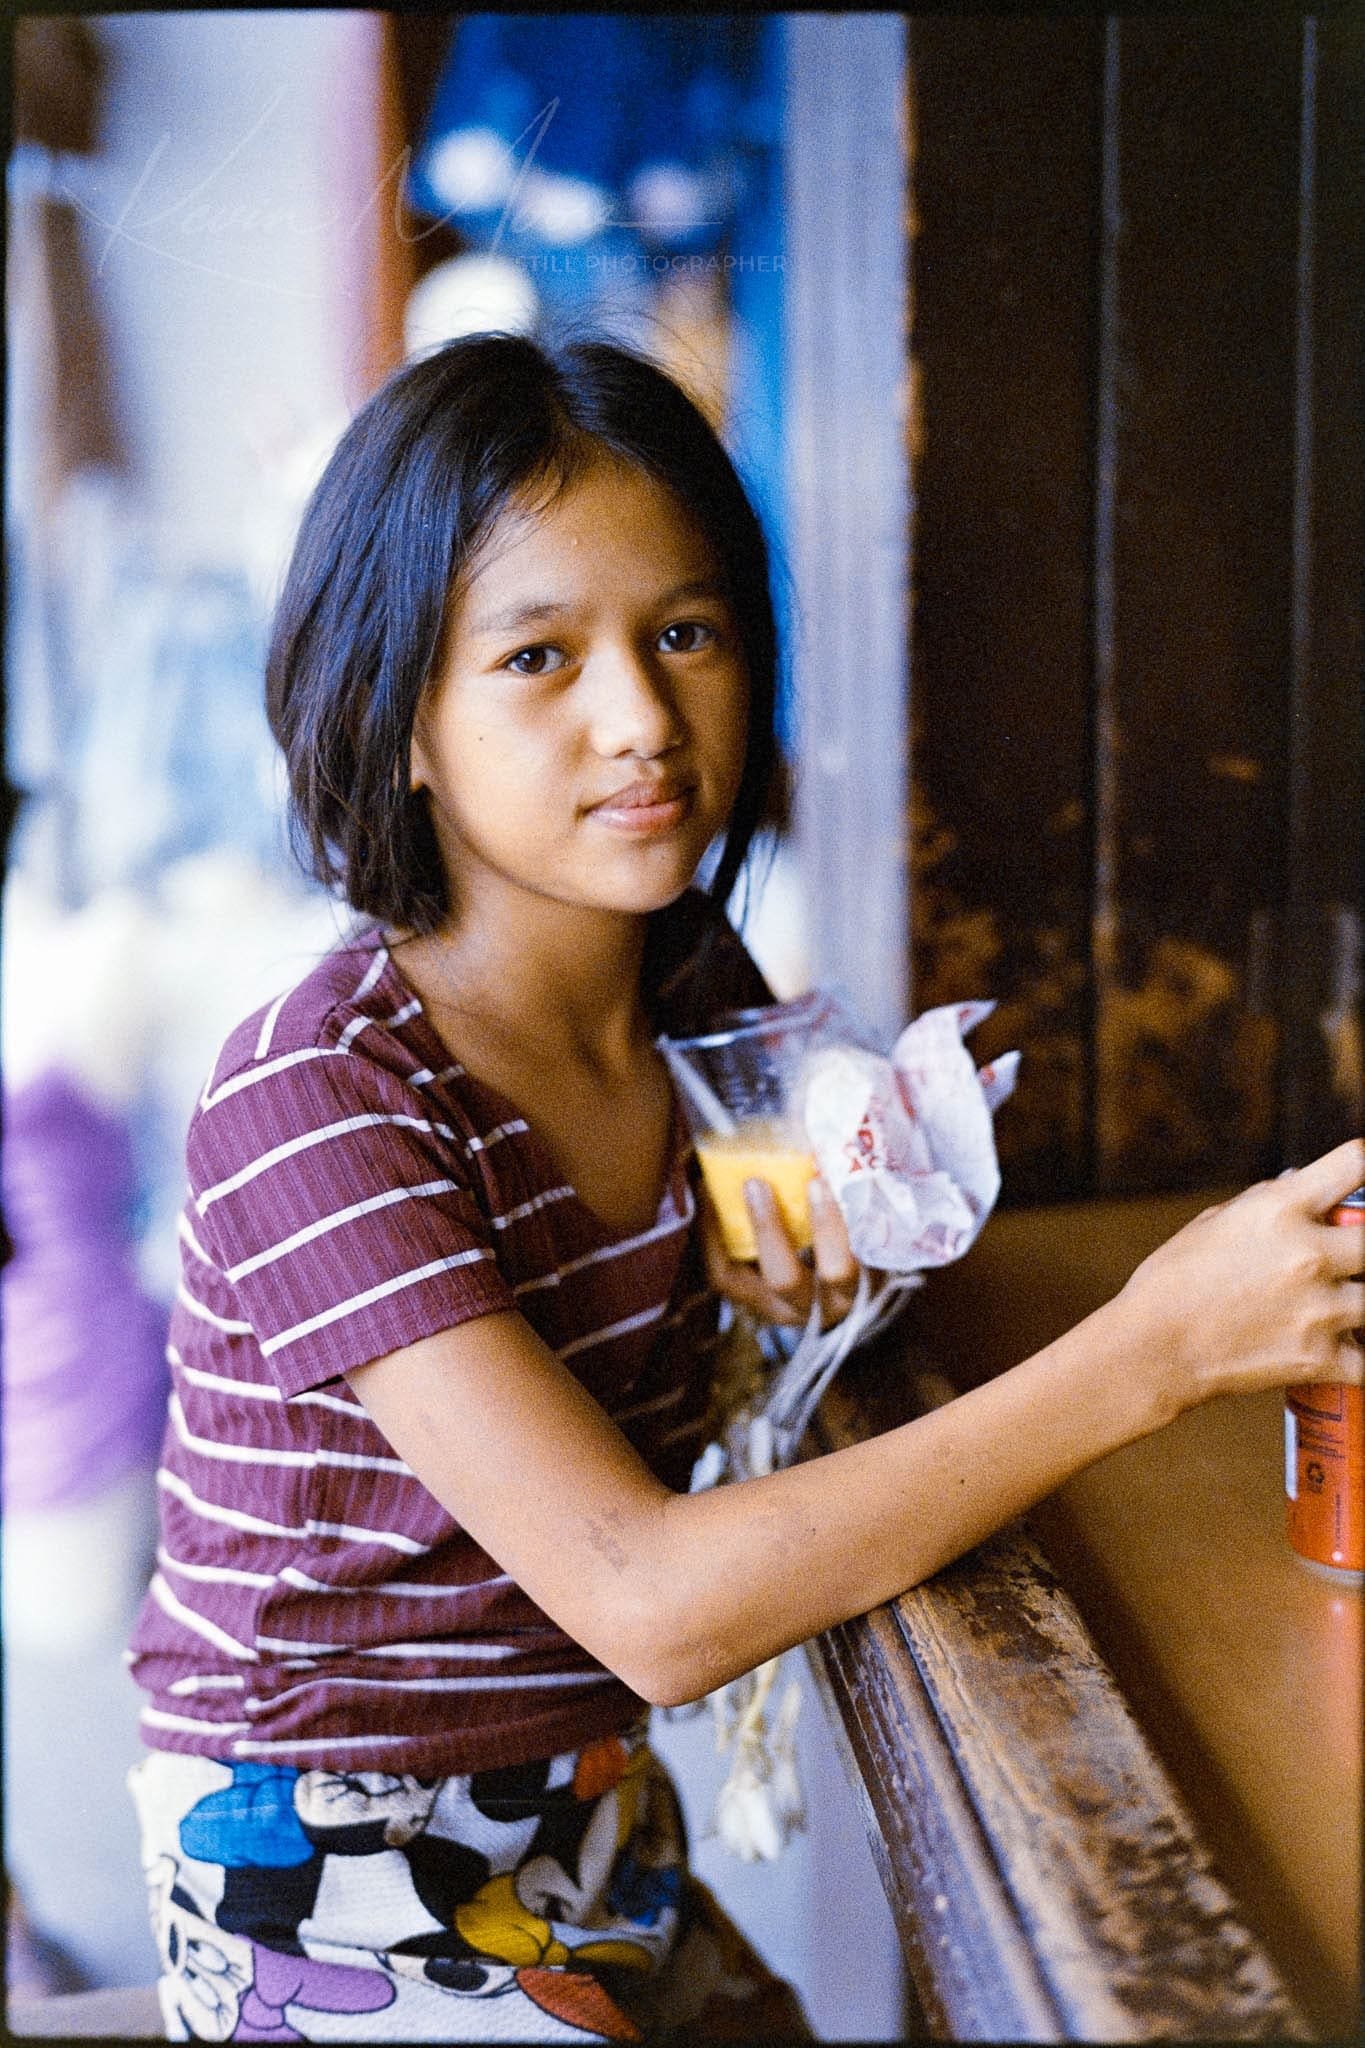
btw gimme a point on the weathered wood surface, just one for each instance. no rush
(969, 1964)
(1047, 1880)
(1136, 618)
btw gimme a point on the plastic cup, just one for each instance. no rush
(739, 1092)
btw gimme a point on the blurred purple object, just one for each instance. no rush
(85, 1378)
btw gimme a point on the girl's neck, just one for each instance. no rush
(563, 984)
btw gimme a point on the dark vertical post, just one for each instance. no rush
(1104, 727)
(1003, 339)
(1320, 979)
(1196, 714)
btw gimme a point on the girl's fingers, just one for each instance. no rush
(835, 1264)
(1351, 1370)
(715, 1258)
(790, 1283)
(1352, 1308)
(1344, 1250)
(735, 1279)
(1324, 1182)
(778, 1262)
(782, 1285)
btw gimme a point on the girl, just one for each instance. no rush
(442, 1352)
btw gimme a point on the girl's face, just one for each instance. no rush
(583, 739)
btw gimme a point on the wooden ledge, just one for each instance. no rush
(1046, 1879)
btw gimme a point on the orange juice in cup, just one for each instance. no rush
(739, 1088)
(759, 1148)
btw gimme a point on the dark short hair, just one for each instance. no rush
(415, 483)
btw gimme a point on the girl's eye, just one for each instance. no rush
(697, 634)
(540, 661)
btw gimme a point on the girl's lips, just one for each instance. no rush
(644, 808)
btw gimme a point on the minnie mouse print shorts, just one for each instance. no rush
(548, 1901)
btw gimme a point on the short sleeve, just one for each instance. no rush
(337, 1204)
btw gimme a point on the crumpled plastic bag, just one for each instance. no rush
(905, 1141)
(906, 1144)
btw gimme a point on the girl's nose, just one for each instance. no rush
(633, 708)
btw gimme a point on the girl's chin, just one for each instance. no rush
(650, 880)
(641, 896)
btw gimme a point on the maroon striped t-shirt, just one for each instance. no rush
(351, 1191)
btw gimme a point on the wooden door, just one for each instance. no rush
(1135, 641)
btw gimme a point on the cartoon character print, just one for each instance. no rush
(560, 1912)
(272, 1866)
(280, 1981)
(528, 1879)
(203, 1979)
(273, 1828)
(647, 1880)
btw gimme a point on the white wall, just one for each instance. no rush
(221, 207)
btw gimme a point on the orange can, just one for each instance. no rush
(1324, 1462)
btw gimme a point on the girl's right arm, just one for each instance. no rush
(678, 1593)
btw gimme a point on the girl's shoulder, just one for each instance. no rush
(352, 1000)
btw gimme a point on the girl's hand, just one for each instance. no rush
(782, 1286)
(1260, 1291)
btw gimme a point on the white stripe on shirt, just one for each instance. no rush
(655, 1406)
(201, 1625)
(251, 1075)
(234, 1454)
(187, 1236)
(669, 1228)
(424, 1075)
(621, 1329)
(306, 1140)
(257, 1390)
(495, 1136)
(401, 1587)
(349, 1533)
(253, 1525)
(251, 1454)
(214, 1574)
(492, 1682)
(359, 1024)
(371, 975)
(244, 1748)
(337, 1218)
(154, 1717)
(362, 1461)
(222, 1383)
(474, 1652)
(317, 1399)
(377, 1293)
(686, 1306)
(231, 1518)
(529, 1208)
(206, 1315)
(674, 1436)
(268, 1025)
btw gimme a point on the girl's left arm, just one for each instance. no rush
(678, 1593)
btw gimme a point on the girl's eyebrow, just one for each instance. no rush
(537, 609)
